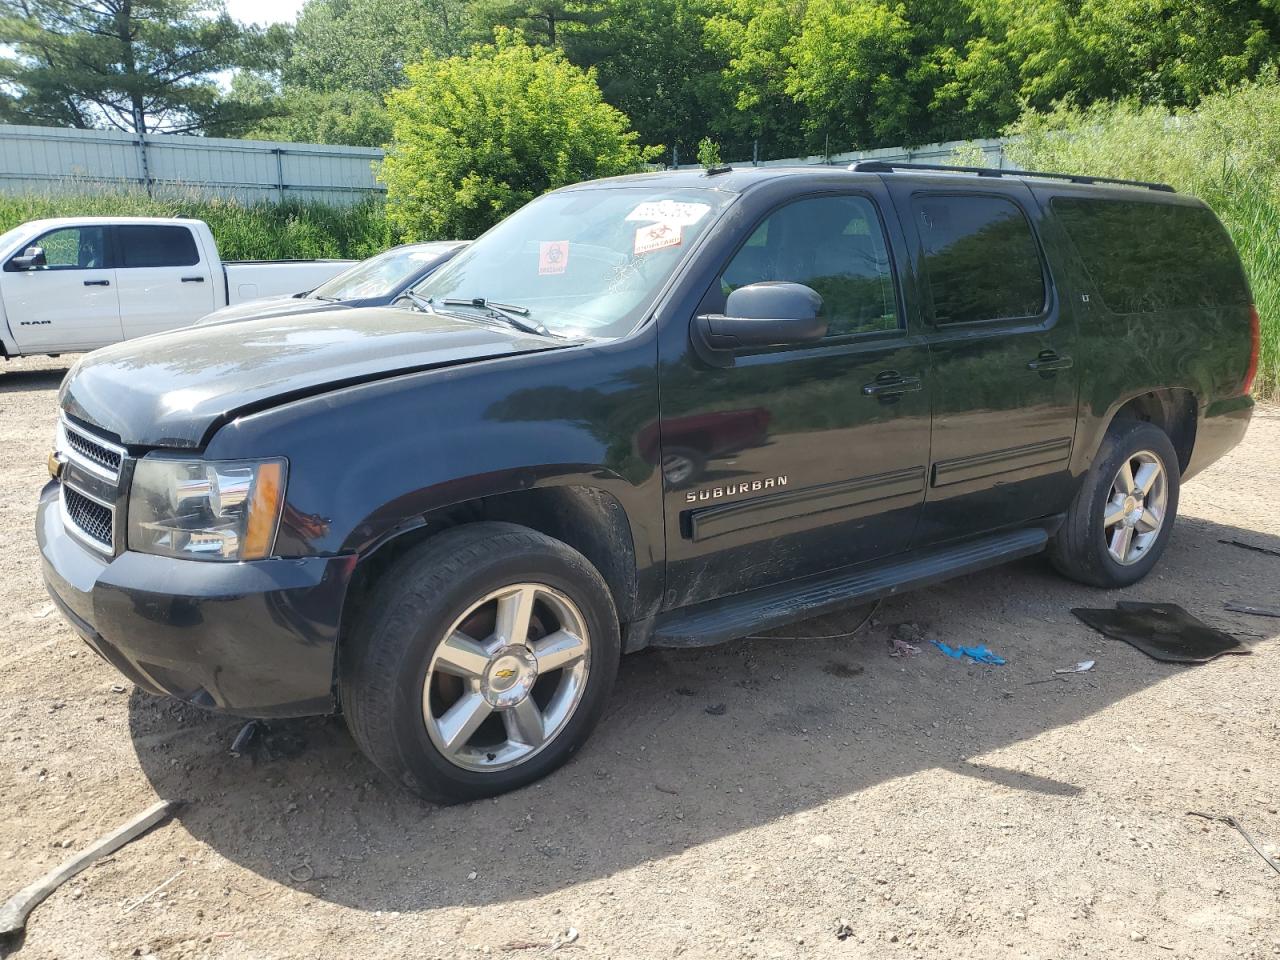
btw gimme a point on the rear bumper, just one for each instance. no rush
(1222, 426)
(253, 639)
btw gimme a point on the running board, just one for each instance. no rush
(716, 621)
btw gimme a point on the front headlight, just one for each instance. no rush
(206, 509)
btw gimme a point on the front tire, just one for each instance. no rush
(481, 662)
(1121, 518)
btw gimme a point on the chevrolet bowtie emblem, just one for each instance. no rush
(504, 674)
(56, 463)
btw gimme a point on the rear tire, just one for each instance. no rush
(1121, 518)
(532, 653)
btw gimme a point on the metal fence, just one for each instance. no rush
(46, 159)
(992, 155)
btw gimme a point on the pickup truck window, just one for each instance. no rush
(981, 261)
(156, 246)
(73, 248)
(1185, 258)
(583, 262)
(836, 246)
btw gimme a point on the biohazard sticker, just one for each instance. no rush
(553, 256)
(657, 236)
(670, 211)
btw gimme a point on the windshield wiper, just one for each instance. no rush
(422, 303)
(508, 313)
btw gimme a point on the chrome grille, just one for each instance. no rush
(90, 518)
(92, 450)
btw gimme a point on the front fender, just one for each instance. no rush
(366, 461)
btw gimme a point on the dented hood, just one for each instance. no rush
(172, 389)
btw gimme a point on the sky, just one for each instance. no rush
(263, 12)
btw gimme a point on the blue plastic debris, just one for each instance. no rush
(975, 654)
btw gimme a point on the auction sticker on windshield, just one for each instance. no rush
(553, 256)
(670, 211)
(657, 236)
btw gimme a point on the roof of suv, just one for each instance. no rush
(739, 179)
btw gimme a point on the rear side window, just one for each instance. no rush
(156, 246)
(981, 261)
(1145, 257)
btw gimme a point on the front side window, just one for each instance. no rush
(834, 245)
(73, 248)
(156, 246)
(981, 261)
(580, 262)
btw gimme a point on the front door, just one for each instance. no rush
(796, 460)
(1001, 343)
(69, 302)
(163, 281)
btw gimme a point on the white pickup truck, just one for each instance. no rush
(79, 283)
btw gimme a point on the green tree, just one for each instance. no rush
(476, 137)
(1161, 51)
(653, 66)
(547, 22)
(752, 37)
(301, 115)
(137, 65)
(349, 45)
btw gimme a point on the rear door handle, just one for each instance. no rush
(1049, 361)
(890, 383)
(193, 279)
(97, 283)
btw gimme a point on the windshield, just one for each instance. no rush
(379, 276)
(583, 262)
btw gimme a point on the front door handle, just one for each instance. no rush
(193, 279)
(1048, 361)
(890, 383)
(97, 283)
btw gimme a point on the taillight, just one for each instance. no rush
(1255, 347)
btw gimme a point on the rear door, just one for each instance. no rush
(800, 459)
(1002, 341)
(163, 281)
(70, 303)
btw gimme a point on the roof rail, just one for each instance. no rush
(888, 166)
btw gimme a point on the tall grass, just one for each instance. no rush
(258, 231)
(1226, 151)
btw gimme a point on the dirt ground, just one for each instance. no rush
(931, 807)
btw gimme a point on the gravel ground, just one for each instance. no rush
(930, 807)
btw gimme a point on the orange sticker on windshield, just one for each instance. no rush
(657, 236)
(553, 256)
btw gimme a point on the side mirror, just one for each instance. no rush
(31, 258)
(765, 315)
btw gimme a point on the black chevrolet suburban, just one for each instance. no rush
(661, 410)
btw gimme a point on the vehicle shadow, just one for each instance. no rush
(792, 724)
(40, 378)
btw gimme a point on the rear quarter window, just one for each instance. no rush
(1145, 257)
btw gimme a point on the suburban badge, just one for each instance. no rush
(735, 489)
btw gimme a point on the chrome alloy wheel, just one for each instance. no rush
(507, 678)
(1135, 511)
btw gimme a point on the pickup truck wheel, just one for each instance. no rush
(481, 662)
(1121, 518)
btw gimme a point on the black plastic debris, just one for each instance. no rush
(1251, 546)
(1256, 609)
(1163, 631)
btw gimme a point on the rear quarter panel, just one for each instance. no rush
(1119, 357)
